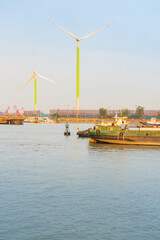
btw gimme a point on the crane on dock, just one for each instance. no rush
(22, 109)
(16, 109)
(7, 110)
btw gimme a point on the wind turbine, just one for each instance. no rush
(35, 74)
(78, 40)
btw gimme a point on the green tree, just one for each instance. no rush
(158, 114)
(55, 115)
(139, 111)
(102, 112)
(125, 112)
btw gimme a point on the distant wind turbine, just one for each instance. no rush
(35, 74)
(78, 40)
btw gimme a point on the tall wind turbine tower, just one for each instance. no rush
(78, 40)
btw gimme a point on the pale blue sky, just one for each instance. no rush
(119, 66)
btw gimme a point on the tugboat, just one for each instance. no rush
(67, 132)
(152, 123)
(117, 121)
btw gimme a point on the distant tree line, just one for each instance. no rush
(125, 112)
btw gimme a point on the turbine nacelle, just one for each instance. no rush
(79, 39)
(36, 74)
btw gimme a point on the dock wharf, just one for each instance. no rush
(12, 120)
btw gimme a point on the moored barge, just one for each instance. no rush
(13, 120)
(117, 135)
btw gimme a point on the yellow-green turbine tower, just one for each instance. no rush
(78, 40)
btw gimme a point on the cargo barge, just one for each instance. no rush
(116, 135)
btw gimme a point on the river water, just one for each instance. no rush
(62, 188)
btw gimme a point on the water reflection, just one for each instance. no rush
(113, 147)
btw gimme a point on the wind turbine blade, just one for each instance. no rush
(46, 78)
(94, 32)
(66, 31)
(28, 82)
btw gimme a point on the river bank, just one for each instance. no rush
(94, 120)
(47, 120)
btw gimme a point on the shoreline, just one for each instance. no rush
(86, 120)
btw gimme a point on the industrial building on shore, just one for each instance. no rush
(84, 113)
(94, 113)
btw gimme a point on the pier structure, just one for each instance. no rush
(12, 119)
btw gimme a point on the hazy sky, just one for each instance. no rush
(119, 66)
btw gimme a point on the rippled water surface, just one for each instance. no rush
(57, 187)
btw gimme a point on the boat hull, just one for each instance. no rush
(129, 140)
(123, 142)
